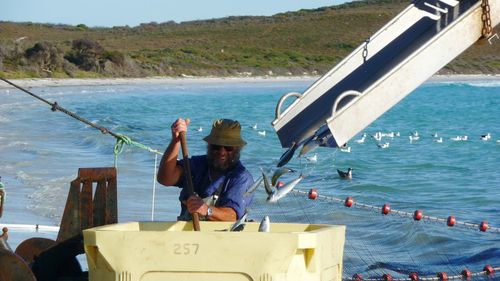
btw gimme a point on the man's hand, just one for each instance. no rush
(180, 125)
(196, 205)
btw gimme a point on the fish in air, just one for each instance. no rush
(312, 143)
(278, 173)
(254, 186)
(313, 158)
(285, 158)
(276, 195)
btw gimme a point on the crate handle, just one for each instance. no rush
(277, 113)
(341, 97)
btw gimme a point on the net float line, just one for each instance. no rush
(385, 209)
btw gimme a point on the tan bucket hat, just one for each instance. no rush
(225, 132)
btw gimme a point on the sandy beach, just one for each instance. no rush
(52, 82)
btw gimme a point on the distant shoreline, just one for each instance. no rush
(56, 82)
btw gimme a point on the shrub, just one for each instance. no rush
(86, 54)
(47, 56)
(115, 57)
(82, 26)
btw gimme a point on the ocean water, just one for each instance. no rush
(42, 150)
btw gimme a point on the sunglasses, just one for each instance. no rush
(219, 147)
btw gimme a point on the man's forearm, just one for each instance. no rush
(168, 172)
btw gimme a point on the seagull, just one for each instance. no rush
(345, 149)
(361, 140)
(435, 135)
(262, 133)
(457, 138)
(414, 138)
(486, 137)
(345, 175)
(440, 140)
(397, 134)
(390, 135)
(254, 126)
(313, 158)
(383, 145)
(200, 129)
(378, 136)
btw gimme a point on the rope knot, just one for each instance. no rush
(120, 141)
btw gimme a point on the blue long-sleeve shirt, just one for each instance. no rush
(236, 182)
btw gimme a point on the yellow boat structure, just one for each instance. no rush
(160, 251)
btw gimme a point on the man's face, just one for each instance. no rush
(222, 158)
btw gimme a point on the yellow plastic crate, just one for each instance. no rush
(149, 251)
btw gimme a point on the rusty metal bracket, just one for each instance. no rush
(92, 201)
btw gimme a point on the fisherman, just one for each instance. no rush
(219, 178)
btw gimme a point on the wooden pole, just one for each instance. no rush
(187, 173)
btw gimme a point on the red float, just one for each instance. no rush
(442, 276)
(386, 209)
(357, 277)
(387, 277)
(413, 276)
(451, 221)
(313, 193)
(466, 274)
(348, 202)
(489, 269)
(418, 215)
(483, 226)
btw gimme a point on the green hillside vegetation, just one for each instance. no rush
(295, 43)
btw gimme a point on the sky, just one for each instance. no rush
(109, 13)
